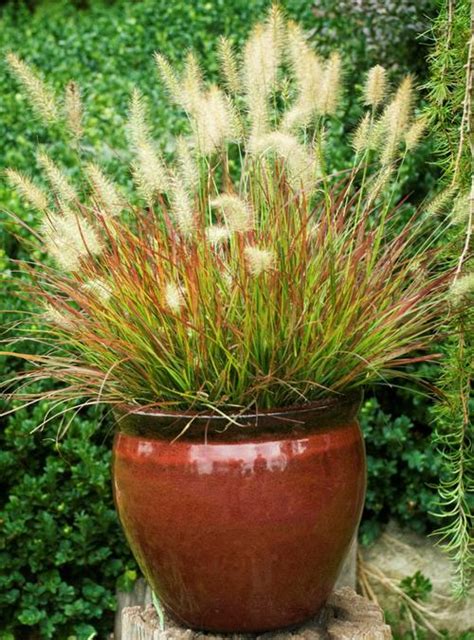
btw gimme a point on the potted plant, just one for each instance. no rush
(230, 311)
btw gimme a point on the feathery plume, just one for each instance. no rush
(259, 260)
(174, 297)
(302, 166)
(98, 288)
(415, 133)
(262, 57)
(69, 239)
(237, 213)
(460, 209)
(227, 279)
(182, 207)
(277, 26)
(441, 201)
(137, 126)
(73, 110)
(378, 184)
(57, 178)
(327, 98)
(378, 134)
(187, 166)
(149, 171)
(28, 191)
(375, 86)
(229, 67)
(394, 120)
(105, 191)
(258, 114)
(40, 95)
(169, 78)
(462, 287)
(215, 121)
(361, 139)
(191, 84)
(52, 315)
(298, 50)
(217, 234)
(308, 72)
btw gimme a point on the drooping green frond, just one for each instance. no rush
(446, 88)
(454, 433)
(450, 111)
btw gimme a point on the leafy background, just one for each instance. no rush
(62, 553)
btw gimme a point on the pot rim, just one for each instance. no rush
(124, 410)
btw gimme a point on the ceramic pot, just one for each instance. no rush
(241, 526)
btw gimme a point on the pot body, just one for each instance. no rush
(244, 530)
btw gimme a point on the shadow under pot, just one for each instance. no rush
(241, 525)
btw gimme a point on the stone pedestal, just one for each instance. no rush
(347, 616)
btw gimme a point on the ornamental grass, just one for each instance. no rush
(242, 273)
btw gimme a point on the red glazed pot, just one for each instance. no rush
(241, 528)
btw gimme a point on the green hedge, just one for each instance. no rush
(61, 548)
(403, 465)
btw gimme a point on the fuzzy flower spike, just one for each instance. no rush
(249, 269)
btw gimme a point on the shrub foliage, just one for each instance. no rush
(62, 551)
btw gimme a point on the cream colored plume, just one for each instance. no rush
(215, 121)
(299, 53)
(328, 97)
(174, 297)
(137, 126)
(187, 166)
(237, 213)
(212, 113)
(362, 136)
(217, 234)
(54, 316)
(169, 78)
(375, 86)
(41, 97)
(378, 184)
(394, 120)
(182, 207)
(415, 133)
(262, 56)
(460, 209)
(107, 194)
(440, 202)
(308, 73)
(259, 260)
(69, 239)
(149, 171)
(462, 287)
(57, 178)
(229, 66)
(192, 84)
(302, 166)
(98, 288)
(185, 89)
(27, 190)
(73, 110)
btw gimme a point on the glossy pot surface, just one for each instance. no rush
(241, 527)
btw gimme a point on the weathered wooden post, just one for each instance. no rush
(347, 616)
